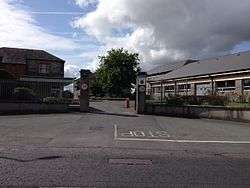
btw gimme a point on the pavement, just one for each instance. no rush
(114, 147)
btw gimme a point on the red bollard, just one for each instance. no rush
(127, 103)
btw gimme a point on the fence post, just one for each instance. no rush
(161, 91)
(84, 90)
(141, 92)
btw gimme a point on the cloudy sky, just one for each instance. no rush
(162, 31)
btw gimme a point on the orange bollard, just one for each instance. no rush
(127, 103)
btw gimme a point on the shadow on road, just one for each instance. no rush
(98, 111)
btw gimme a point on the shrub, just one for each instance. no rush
(67, 94)
(238, 98)
(54, 100)
(22, 93)
(192, 100)
(216, 100)
(175, 101)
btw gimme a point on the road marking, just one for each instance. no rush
(115, 133)
(175, 141)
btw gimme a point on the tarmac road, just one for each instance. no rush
(114, 147)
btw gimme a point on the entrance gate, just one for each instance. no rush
(140, 100)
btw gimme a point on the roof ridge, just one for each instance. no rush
(31, 53)
(17, 48)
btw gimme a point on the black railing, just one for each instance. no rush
(24, 91)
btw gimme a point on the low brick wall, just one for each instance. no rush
(26, 108)
(211, 112)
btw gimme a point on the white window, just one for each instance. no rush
(246, 84)
(224, 86)
(43, 69)
(184, 88)
(169, 89)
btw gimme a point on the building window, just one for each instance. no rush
(184, 88)
(169, 89)
(246, 84)
(43, 69)
(1, 59)
(157, 89)
(228, 85)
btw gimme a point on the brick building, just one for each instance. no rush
(36, 69)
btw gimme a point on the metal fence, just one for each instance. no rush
(13, 90)
(227, 95)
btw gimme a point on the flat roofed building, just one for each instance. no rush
(226, 75)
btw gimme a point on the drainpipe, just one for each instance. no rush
(186, 87)
(213, 89)
(175, 88)
(161, 91)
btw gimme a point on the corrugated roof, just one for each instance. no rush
(18, 55)
(228, 63)
(168, 67)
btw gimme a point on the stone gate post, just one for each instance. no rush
(141, 92)
(84, 90)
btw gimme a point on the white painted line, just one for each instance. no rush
(175, 141)
(115, 133)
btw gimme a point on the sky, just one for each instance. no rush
(161, 31)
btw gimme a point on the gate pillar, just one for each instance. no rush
(84, 90)
(141, 92)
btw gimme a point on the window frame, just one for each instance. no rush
(168, 90)
(227, 87)
(246, 87)
(186, 88)
(45, 67)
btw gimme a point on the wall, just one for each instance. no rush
(56, 68)
(16, 70)
(223, 113)
(23, 108)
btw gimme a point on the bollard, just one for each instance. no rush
(127, 103)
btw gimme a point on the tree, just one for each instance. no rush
(117, 73)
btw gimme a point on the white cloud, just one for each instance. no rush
(169, 30)
(71, 70)
(19, 29)
(84, 3)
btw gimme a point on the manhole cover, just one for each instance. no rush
(131, 161)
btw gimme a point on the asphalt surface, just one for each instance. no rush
(114, 147)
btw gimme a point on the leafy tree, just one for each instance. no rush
(117, 73)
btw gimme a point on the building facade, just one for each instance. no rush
(228, 75)
(35, 69)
